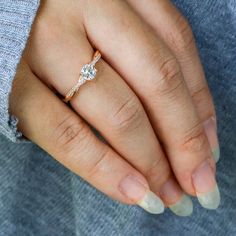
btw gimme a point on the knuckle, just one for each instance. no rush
(195, 140)
(203, 100)
(184, 177)
(70, 133)
(42, 25)
(98, 167)
(201, 95)
(182, 37)
(169, 79)
(151, 171)
(128, 115)
(158, 172)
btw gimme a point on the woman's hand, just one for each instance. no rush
(149, 100)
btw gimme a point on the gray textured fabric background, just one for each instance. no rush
(40, 197)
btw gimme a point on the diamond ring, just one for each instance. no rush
(87, 73)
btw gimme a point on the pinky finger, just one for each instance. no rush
(48, 122)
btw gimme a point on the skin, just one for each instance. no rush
(150, 81)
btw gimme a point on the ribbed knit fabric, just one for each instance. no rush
(16, 17)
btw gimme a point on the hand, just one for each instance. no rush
(149, 83)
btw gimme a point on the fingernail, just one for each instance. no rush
(140, 194)
(183, 207)
(175, 199)
(205, 186)
(211, 132)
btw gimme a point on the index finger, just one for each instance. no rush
(48, 122)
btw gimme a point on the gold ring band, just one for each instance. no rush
(87, 73)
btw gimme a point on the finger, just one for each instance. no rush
(178, 35)
(47, 121)
(109, 105)
(162, 90)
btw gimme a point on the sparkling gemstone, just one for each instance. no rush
(88, 72)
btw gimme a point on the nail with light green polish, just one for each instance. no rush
(216, 154)
(134, 188)
(210, 200)
(184, 207)
(206, 186)
(210, 127)
(152, 203)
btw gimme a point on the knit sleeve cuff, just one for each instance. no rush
(16, 18)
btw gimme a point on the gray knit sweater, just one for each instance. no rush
(16, 17)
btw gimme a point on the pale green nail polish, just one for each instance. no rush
(136, 189)
(211, 132)
(216, 154)
(210, 200)
(184, 207)
(152, 203)
(206, 186)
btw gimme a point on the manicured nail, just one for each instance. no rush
(175, 199)
(183, 207)
(205, 186)
(211, 132)
(140, 194)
